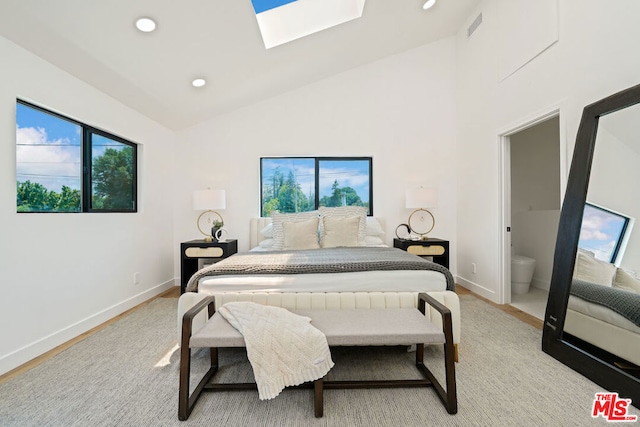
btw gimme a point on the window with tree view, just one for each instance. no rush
(66, 166)
(299, 184)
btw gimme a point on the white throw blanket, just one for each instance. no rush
(283, 348)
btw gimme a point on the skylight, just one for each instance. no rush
(282, 21)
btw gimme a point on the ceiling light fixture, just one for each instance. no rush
(428, 4)
(199, 82)
(146, 25)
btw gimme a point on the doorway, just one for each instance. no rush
(533, 177)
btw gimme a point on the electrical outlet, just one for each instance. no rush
(136, 278)
(473, 267)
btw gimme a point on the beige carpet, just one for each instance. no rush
(127, 375)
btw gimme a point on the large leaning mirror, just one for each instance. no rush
(592, 321)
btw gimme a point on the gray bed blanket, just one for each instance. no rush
(329, 260)
(623, 302)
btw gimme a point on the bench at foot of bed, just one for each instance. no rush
(330, 300)
(344, 327)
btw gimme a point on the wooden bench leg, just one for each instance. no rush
(318, 397)
(449, 396)
(187, 401)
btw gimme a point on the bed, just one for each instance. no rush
(313, 278)
(604, 307)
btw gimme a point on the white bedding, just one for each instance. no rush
(365, 281)
(601, 313)
(603, 328)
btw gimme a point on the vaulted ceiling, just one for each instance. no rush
(218, 40)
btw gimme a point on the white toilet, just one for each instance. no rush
(521, 273)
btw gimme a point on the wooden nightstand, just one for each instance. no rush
(191, 252)
(437, 249)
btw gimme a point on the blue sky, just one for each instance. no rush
(354, 173)
(600, 231)
(48, 149)
(262, 5)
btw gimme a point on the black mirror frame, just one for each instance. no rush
(597, 370)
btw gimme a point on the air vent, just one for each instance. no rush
(475, 24)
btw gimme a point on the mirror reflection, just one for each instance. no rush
(604, 304)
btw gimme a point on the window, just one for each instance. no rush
(299, 184)
(66, 166)
(602, 232)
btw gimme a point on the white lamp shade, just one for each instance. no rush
(422, 198)
(204, 200)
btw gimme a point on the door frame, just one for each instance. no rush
(504, 142)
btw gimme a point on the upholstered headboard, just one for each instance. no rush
(258, 223)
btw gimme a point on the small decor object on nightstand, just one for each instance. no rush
(421, 221)
(209, 220)
(220, 235)
(403, 231)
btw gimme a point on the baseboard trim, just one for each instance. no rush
(477, 289)
(17, 358)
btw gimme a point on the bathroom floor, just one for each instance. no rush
(534, 302)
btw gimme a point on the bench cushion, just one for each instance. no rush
(402, 326)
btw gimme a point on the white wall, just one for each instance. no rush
(535, 168)
(596, 55)
(613, 185)
(535, 196)
(400, 110)
(62, 274)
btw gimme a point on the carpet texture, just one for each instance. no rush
(127, 375)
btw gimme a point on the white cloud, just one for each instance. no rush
(52, 163)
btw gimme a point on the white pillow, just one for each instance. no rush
(346, 211)
(340, 231)
(266, 243)
(374, 241)
(373, 227)
(627, 281)
(277, 218)
(590, 269)
(301, 235)
(267, 231)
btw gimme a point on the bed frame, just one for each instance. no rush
(614, 339)
(325, 300)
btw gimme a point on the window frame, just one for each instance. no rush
(618, 250)
(317, 161)
(86, 156)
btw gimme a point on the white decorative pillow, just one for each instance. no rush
(346, 211)
(373, 227)
(301, 235)
(627, 281)
(590, 269)
(340, 231)
(277, 218)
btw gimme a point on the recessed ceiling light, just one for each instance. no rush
(199, 82)
(428, 4)
(146, 25)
